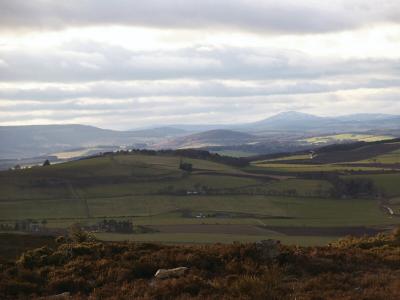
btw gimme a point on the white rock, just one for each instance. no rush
(168, 273)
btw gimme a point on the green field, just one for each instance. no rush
(394, 204)
(388, 158)
(389, 183)
(151, 190)
(179, 238)
(290, 211)
(295, 168)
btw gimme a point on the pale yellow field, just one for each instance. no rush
(282, 167)
(291, 157)
(347, 137)
(76, 153)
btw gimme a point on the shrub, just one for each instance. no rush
(352, 268)
(17, 287)
(78, 235)
(34, 258)
(396, 234)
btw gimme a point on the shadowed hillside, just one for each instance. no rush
(210, 138)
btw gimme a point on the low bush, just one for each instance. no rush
(351, 268)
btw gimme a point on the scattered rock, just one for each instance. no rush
(269, 249)
(168, 273)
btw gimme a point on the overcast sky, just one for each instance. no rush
(125, 64)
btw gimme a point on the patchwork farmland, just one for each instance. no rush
(214, 201)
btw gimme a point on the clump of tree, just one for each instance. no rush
(78, 235)
(215, 157)
(189, 153)
(116, 226)
(186, 166)
(354, 188)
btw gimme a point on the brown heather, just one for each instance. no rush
(352, 268)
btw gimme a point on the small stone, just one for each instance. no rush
(168, 273)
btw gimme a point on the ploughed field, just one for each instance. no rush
(285, 198)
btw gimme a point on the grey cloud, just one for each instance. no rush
(173, 89)
(81, 63)
(120, 112)
(188, 110)
(254, 15)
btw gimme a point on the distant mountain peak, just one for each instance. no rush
(293, 115)
(288, 117)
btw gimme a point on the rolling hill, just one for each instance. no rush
(301, 122)
(283, 132)
(355, 152)
(40, 140)
(293, 121)
(351, 153)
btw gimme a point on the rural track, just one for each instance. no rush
(244, 175)
(384, 205)
(78, 197)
